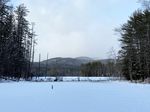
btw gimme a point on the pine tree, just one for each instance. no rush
(17, 41)
(135, 39)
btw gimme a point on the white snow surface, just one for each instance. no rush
(70, 79)
(111, 96)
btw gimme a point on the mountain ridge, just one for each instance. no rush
(70, 62)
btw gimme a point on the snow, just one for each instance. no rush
(70, 79)
(111, 96)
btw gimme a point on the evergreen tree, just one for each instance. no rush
(16, 42)
(135, 40)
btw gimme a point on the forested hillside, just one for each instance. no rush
(79, 66)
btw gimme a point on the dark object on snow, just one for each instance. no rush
(52, 87)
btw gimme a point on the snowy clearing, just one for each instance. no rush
(74, 97)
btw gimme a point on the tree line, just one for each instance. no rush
(17, 41)
(94, 68)
(97, 68)
(135, 45)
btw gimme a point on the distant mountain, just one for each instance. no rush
(85, 59)
(64, 66)
(69, 62)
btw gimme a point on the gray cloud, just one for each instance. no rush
(71, 28)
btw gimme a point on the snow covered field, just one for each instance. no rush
(71, 79)
(111, 96)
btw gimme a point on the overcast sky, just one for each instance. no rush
(72, 28)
